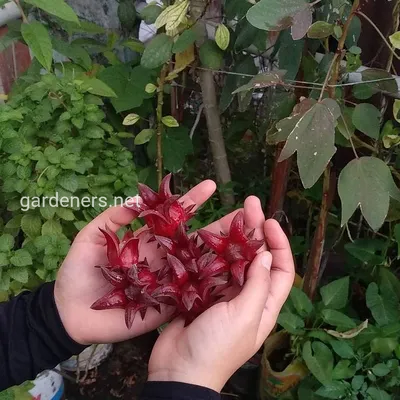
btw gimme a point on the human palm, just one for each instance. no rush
(79, 284)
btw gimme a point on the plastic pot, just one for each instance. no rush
(94, 355)
(274, 384)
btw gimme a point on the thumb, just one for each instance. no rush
(256, 288)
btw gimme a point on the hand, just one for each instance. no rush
(79, 284)
(218, 342)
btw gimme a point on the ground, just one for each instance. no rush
(123, 374)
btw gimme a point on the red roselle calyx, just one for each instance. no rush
(192, 276)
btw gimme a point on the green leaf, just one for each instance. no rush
(366, 250)
(342, 348)
(31, 224)
(363, 92)
(134, 45)
(334, 390)
(21, 258)
(185, 39)
(69, 181)
(367, 183)
(319, 360)
(157, 52)
(384, 346)
(38, 39)
(273, 15)
(389, 283)
(176, 146)
(51, 228)
(357, 382)
(131, 119)
(3, 261)
(378, 394)
(395, 40)
(301, 302)
(76, 53)
(20, 274)
(320, 30)
(337, 319)
(129, 85)
(262, 81)
(335, 294)
(170, 121)
(144, 136)
(313, 139)
(210, 55)
(6, 242)
(397, 237)
(150, 88)
(386, 84)
(384, 309)
(380, 369)
(291, 322)
(150, 13)
(65, 213)
(59, 8)
(98, 87)
(290, 54)
(366, 118)
(343, 370)
(222, 36)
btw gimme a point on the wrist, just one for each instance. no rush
(193, 377)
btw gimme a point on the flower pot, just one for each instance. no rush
(94, 355)
(273, 383)
(48, 385)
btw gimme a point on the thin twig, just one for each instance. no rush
(197, 120)
(24, 18)
(328, 75)
(159, 112)
(379, 33)
(64, 375)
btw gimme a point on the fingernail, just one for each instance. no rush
(266, 260)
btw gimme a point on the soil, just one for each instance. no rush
(124, 373)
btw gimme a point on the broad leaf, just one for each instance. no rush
(275, 15)
(38, 39)
(150, 13)
(337, 319)
(157, 52)
(211, 55)
(380, 369)
(20, 274)
(144, 136)
(187, 38)
(131, 119)
(335, 294)
(98, 87)
(342, 348)
(343, 370)
(395, 40)
(6, 242)
(172, 15)
(313, 139)
(334, 390)
(397, 237)
(21, 258)
(31, 224)
(368, 251)
(262, 81)
(319, 360)
(301, 302)
(301, 22)
(170, 121)
(59, 8)
(386, 82)
(51, 228)
(384, 309)
(367, 183)
(378, 394)
(291, 323)
(74, 52)
(320, 30)
(384, 346)
(290, 54)
(366, 118)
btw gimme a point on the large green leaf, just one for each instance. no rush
(273, 15)
(211, 56)
(384, 308)
(6, 242)
(98, 87)
(378, 394)
(366, 118)
(129, 85)
(20, 274)
(38, 39)
(389, 283)
(343, 370)
(319, 360)
(368, 251)
(334, 390)
(157, 52)
(367, 183)
(59, 8)
(292, 323)
(74, 52)
(342, 348)
(187, 38)
(313, 137)
(301, 302)
(21, 258)
(383, 346)
(335, 294)
(386, 83)
(31, 224)
(290, 54)
(337, 319)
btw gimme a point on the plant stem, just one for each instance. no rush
(24, 18)
(328, 75)
(159, 114)
(369, 20)
(311, 277)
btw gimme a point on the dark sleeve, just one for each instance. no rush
(32, 336)
(177, 391)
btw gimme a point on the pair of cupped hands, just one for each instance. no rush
(218, 342)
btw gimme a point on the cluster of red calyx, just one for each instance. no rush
(192, 275)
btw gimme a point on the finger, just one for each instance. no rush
(174, 328)
(113, 218)
(223, 224)
(254, 294)
(253, 213)
(199, 194)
